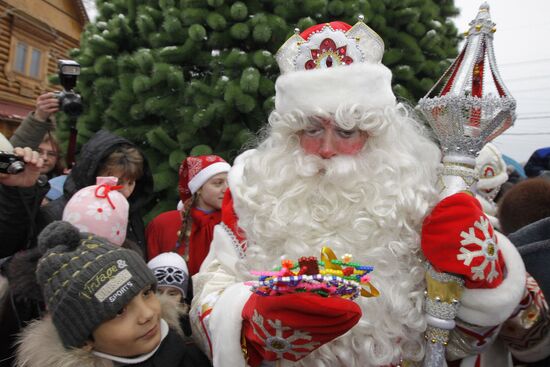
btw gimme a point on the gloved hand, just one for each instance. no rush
(291, 326)
(458, 238)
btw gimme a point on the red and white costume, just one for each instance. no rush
(288, 204)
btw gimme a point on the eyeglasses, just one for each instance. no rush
(49, 153)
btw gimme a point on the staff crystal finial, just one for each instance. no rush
(470, 105)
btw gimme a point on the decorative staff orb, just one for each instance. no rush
(470, 105)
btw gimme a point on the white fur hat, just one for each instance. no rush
(330, 64)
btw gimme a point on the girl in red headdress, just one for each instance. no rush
(188, 230)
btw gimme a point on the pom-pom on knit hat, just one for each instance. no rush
(86, 280)
(99, 209)
(195, 171)
(170, 269)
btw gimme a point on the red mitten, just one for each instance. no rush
(458, 238)
(291, 326)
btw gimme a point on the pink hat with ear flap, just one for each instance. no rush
(99, 209)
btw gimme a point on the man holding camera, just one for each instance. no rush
(28, 177)
(19, 194)
(37, 123)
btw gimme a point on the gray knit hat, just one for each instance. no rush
(86, 280)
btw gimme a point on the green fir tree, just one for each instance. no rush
(191, 77)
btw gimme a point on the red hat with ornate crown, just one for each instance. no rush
(331, 64)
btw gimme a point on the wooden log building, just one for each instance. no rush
(34, 34)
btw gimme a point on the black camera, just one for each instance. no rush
(69, 101)
(10, 163)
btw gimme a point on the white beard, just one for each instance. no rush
(371, 205)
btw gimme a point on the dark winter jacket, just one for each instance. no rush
(175, 352)
(19, 208)
(538, 163)
(533, 243)
(41, 346)
(84, 174)
(20, 299)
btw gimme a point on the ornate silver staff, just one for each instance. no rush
(467, 107)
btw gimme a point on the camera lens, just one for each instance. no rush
(71, 104)
(16, 167)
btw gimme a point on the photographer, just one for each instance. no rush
(37, 124)
(20, 197)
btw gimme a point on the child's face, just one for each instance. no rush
(171, 292)
(211, 193)
(134, 331)
(128, 185)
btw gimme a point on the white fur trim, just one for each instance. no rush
(493, 182)
(204, 175)
(488, 307)
(226, 324)
(235, 175)
(366, 84)
(222, 249)
(490, 155)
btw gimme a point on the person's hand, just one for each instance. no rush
(28, 177)
(293, 325)
(458, 238)
(46, 104)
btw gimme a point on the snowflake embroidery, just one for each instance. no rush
(488, 249)
(99, 210)
(195, 166)
(278, 344)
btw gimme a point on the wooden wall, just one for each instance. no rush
(54, 25)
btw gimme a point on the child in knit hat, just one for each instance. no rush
(202, 184)
(172, 276)
(102, 307)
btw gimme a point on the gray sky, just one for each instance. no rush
(523, 56)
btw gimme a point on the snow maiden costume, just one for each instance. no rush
(284, 204)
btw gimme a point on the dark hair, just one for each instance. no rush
(126, 159)
(526, 202)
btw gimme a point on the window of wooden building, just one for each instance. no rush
(28, 58)
(29, 53)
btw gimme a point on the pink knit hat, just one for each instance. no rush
(100, 210)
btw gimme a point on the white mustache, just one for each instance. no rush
(334, 168)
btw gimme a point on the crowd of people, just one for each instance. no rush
(84, 282)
